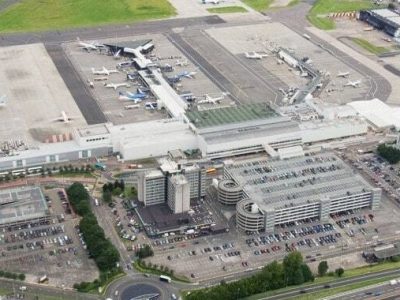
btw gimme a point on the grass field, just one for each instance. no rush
(377, 50)
(227, 9)
(259, 5)
(317, 14)
(33, 15)
(4, 291)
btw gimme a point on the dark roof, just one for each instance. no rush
(387, 251)
(129, 44)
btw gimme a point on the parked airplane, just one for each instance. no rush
(3, 101)
(89, 46)
(211, 1)
(117, 54)
(354, 84)
(186, 74)
(182, 63)
(150, 105)
(116, 85)
(64, 118)
(103, 71)
(212, 100)
(135, 97)
(254, 55)
(343, 74)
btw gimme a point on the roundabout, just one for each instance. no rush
(138, 287)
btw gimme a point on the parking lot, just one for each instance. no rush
(49, 246)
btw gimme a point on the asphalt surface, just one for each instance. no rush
(295, 19)
(79, 91)
(338, 283)
(44, 290)
(104, 32)
(392, 69)
(238, 76)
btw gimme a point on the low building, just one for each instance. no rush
(282, 191)
(22, 204)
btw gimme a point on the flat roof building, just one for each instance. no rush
(22, 204)
(283, 191)
(152, 187)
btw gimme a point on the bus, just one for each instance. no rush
(211, 171)
(165, 278)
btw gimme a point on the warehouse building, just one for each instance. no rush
(383, 19)
(282, 191)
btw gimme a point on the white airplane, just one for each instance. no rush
(89, 46)
(343, 74)
(182, 63)
(211, 1)
(187, 74)
(3, 101)
(354, 84)
(103, 71)
(254, 55)
(117, 55)
(212, 100)
(117, 85)
(64, 118)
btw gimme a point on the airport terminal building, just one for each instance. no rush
(281, 191)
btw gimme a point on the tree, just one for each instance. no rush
(144, 252)
(292, 268)
(391, 154)
(339, 272)
(307, 274)
(323, 268)
(107, 196)
(21, 276)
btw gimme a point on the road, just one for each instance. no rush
(342, 282)
(44, 290)
(107, 31)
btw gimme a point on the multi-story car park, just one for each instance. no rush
(282, 191)
(229, 192)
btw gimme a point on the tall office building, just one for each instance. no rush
(178, 197)
(152, 188)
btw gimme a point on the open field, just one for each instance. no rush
(377, 50)
(32, 15)
(258, 5)
(318, 13)
(227, 9)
